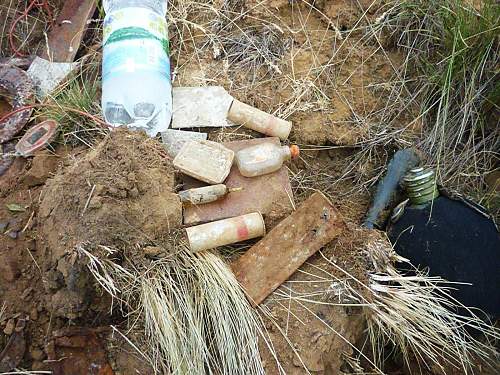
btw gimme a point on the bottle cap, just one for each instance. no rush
(294, 151)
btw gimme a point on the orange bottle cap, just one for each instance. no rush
(294, 151)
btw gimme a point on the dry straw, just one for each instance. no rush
(195, 316)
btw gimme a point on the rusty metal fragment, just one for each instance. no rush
(17, 89)
(277, 256)
(78, 352)
(264, 194)
(68, 31)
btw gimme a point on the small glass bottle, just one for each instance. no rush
(264, 158)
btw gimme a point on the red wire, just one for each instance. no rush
(43, 4)
(20, 109)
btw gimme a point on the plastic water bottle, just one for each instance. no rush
(136, 84)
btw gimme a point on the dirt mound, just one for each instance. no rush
(120, 194)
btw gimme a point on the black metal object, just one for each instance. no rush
(453, 239)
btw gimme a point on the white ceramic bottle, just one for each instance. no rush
(264, 158)
(136, 83)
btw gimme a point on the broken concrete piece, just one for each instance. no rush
(271, 195)
(47, 75)
(174, 140)
(204, 160)
(271, 261)
(198, 107)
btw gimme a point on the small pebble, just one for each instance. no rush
(34, 314)
(37, 354)
(152, 251)
(3, 226)
(9, 327)
(31, 245)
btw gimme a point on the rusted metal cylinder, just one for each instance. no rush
(225, 232)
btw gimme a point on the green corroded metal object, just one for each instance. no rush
(420, 185)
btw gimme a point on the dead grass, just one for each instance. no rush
(28, 32)
(194, 315)
(452, 52)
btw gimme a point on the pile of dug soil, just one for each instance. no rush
(121, 194)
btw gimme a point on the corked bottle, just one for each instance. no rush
(264, 158)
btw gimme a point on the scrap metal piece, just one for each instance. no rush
(265, 194)
(69, 29)
(271, 261)
(17, 87)
(48, 75)
(174, 140)
(37, 138)
(20, 62)
(195, 107)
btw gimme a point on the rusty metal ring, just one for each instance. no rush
(18, 88)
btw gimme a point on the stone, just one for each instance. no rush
(37, 354)
(34, 314)
(152, 251)
(9, 327)
(9, 268)
(42, 167)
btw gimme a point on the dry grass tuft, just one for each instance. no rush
(194, 314)
(253, 48)
(416, 314)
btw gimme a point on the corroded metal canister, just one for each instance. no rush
(225, 232)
